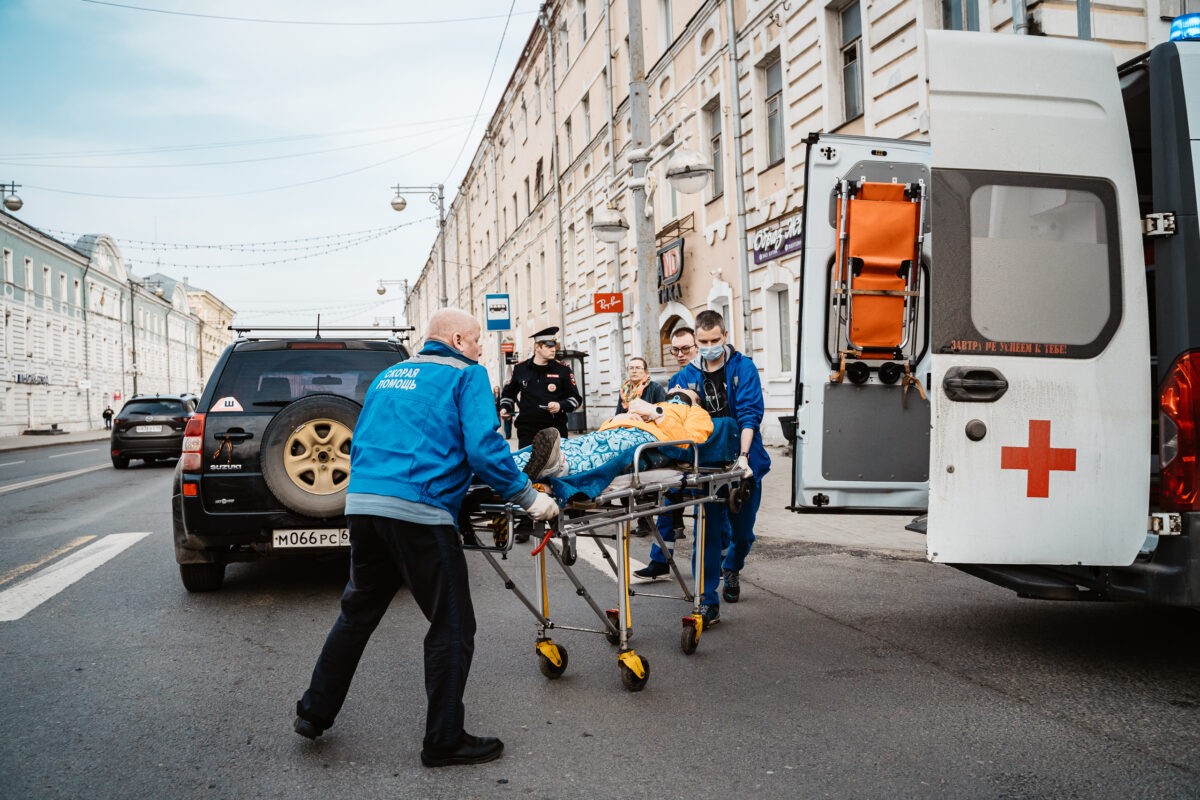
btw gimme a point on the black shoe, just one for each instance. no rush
(653, 571)
(546, 453)
(643, 527)
(679, 533)
(470, 750)
(733, 585)
(307, 728)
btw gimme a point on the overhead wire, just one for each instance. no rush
(483, 96)
(336, 23)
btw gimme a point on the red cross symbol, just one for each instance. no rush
(1039, 458)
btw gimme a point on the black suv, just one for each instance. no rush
(149, 427)
(266, 458)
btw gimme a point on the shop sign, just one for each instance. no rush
(769, 244)
(34, 380)
(670, 270)
(608, 302)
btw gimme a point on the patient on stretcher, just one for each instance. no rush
(679, 418)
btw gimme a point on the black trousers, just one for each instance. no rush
(385, 553)
(526, 431)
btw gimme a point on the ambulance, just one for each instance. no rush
(1001, 326)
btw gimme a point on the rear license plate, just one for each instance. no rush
(296, 538)
(148, 429)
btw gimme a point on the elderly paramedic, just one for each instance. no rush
(679, 418)
(728, 385)
(407, 481)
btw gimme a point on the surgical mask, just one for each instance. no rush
(712, 353)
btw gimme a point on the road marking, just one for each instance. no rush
(19, 600)
(74, 452)
(78, 541)
(11, 463)
(58, 476)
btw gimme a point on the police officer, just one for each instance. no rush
(541, 390)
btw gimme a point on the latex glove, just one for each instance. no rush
(543, 508)
(743, 463)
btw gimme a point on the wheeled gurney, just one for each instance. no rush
(626, 499)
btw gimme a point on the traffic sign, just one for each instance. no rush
(499, 314)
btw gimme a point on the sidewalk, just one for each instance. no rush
(27, 442)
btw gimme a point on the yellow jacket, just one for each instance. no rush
(676, 421)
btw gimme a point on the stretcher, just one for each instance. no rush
(626, 499)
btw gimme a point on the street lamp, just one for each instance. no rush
(687, 172)
(9, 192)
(437, 197)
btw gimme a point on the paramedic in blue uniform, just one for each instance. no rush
(728, 385)
(541, 390)
(427, 425)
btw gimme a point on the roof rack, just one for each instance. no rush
(242, 330)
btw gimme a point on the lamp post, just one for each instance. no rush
(9, 192)
(687, 172)
(437, 197)
(381, 289)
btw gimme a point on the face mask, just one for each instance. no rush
(712, 353)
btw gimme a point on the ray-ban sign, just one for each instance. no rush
(608, 302)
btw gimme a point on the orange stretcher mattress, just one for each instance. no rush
(882, 224)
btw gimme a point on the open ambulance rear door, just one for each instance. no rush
(1039, 328)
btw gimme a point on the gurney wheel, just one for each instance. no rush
(613, 637)
(632, 682)
(689, 639)
(547, 666)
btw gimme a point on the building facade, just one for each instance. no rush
(81, 332)
(742, 81)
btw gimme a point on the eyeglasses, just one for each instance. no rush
(678, 351)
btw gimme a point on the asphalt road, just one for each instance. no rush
(845, 672)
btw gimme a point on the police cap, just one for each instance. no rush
(548, 335)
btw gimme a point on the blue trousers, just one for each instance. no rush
(718, 519)
(667, 523)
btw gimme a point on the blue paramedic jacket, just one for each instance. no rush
(745, 400)
(427, 425)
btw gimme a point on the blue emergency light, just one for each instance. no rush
(1185, 27)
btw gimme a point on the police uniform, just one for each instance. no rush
(532, 387)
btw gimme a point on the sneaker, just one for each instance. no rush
(710, 614)
(545, 455)
(733, 585)
(653, 571)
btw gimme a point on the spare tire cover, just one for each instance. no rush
(305, 454)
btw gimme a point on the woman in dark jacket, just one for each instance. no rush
(639, 385)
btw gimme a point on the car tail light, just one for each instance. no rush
(193, 444)
(1178, 435)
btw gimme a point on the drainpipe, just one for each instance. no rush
(739, 181)
(544, 21)
(618, 322)
(1019, 17)
(87, 348)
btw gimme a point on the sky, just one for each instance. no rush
(254, 158)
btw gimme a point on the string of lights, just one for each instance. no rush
(333, 248)
(172, 148)
(147, 244)
(338, 23)
(259, 159)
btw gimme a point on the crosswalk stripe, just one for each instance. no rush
(19, 600)
(12, 575)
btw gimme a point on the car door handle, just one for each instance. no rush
(974, 384)
(235, 435)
